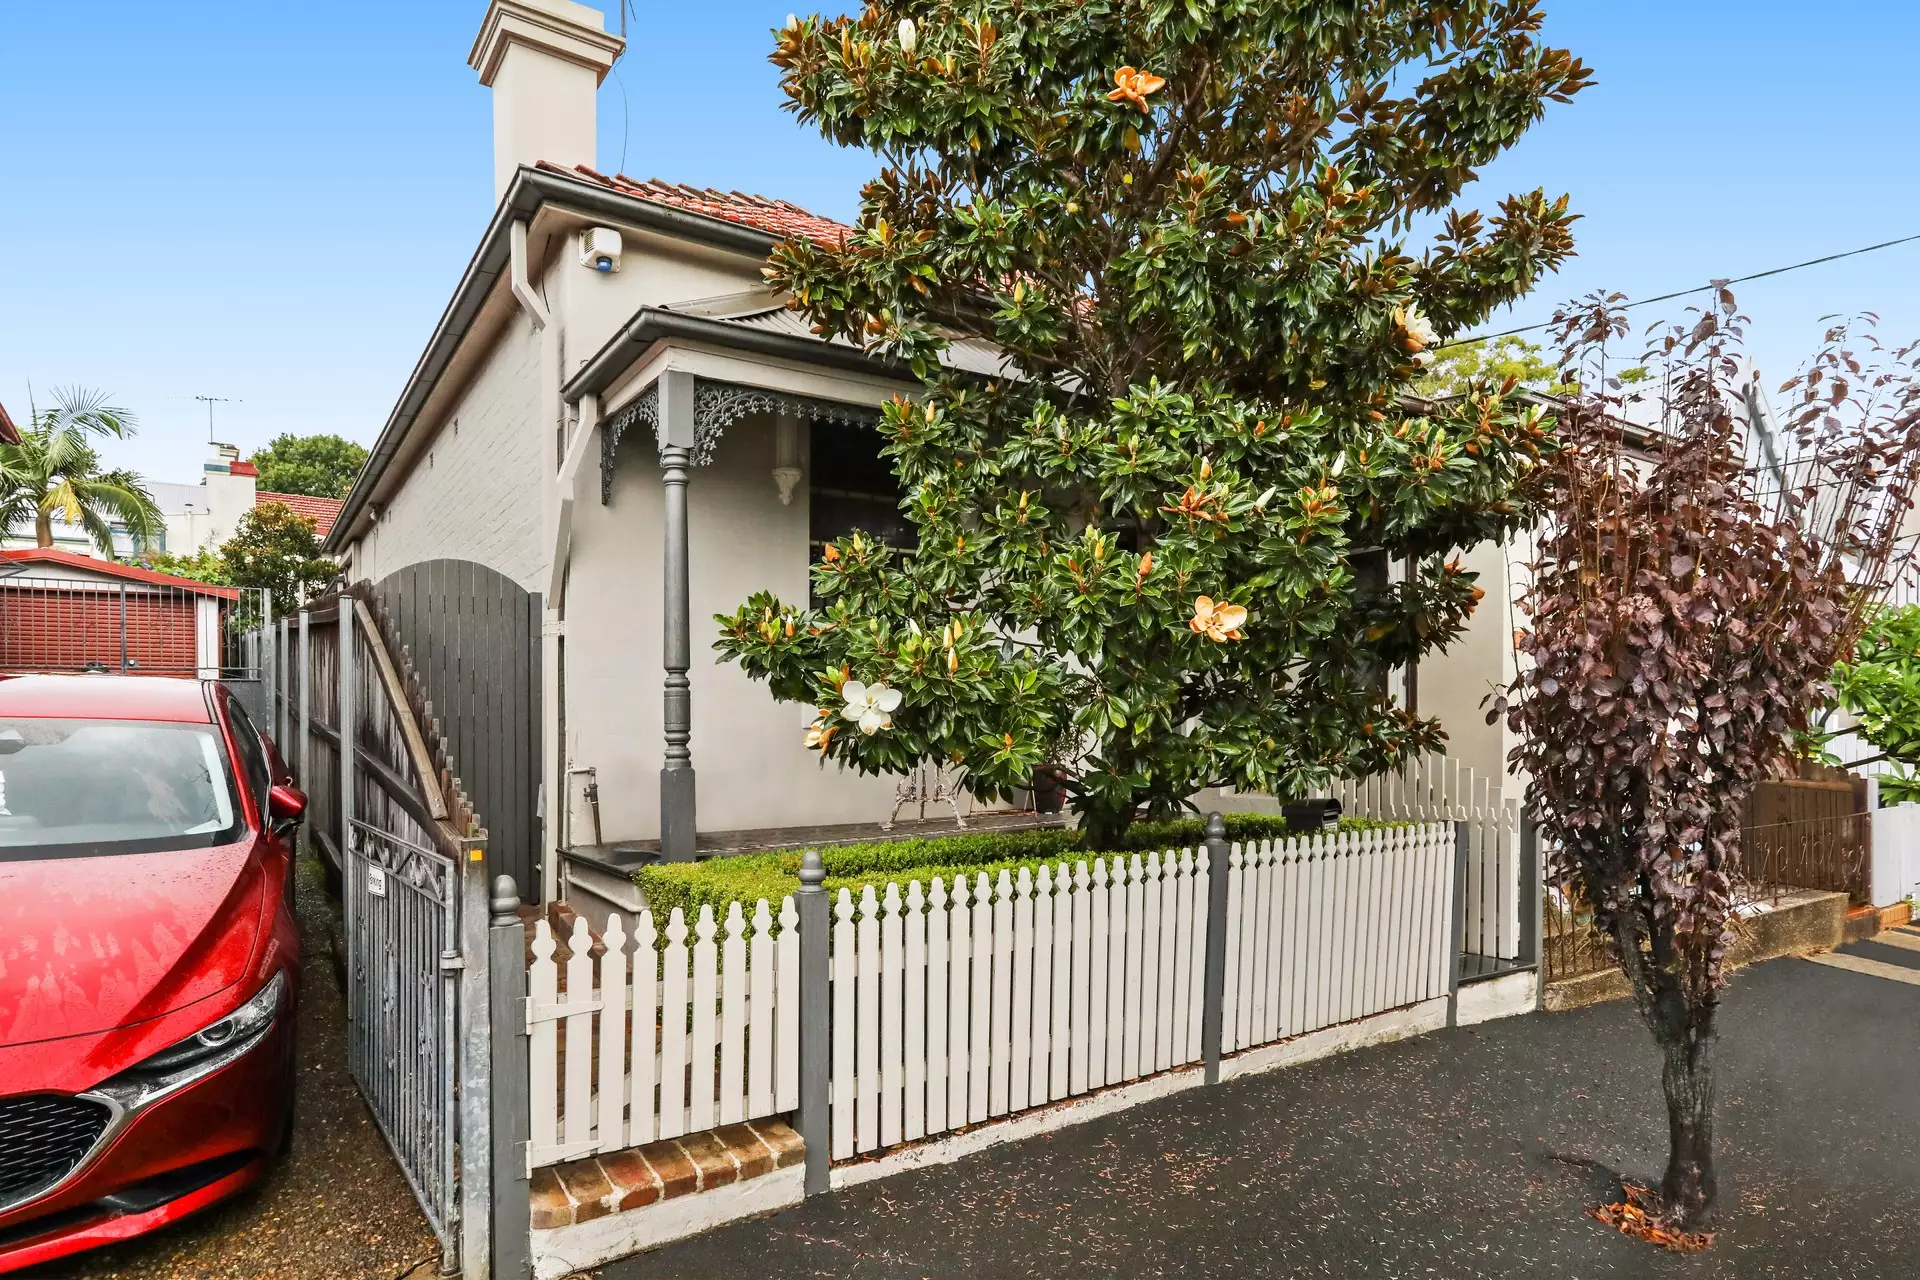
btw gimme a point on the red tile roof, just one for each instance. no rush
(110, 569)
(775, 217)
(322, 511)
(8, 433)
(240, 468)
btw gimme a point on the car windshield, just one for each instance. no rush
(74, 788)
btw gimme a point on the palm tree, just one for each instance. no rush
(55, 471)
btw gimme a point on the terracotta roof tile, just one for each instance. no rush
(8, 433)
(775, 217)
(322, 511)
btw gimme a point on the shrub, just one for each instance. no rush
(746, 878)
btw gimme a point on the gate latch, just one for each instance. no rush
(451, 962)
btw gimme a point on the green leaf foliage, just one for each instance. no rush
(275, 547)
(321, 466)
(747, 878)
(1187, 226)
(56, 473)
(1881, 688)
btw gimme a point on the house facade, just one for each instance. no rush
(616, 416)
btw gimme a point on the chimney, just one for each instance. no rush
(544, 61)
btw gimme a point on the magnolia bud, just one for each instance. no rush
(909, 37)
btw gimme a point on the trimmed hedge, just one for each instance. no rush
(746, 878)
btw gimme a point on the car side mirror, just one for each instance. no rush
(286, 806)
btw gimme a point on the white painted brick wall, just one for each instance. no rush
(474, 493)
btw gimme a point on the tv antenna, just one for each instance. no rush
(210, 402)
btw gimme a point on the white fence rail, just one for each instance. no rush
(1440, 788)
(662, 1041)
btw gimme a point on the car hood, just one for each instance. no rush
(89, 944)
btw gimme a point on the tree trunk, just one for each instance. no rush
(43, 529)
(1690, 1186)
(1106, 829)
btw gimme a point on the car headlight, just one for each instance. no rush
(200, 1054)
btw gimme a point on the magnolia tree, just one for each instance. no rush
(1156, 549)
(1688, 604)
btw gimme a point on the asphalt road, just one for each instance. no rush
(1469, 1153)
(336, 1207)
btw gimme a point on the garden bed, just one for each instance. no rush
(749, 877)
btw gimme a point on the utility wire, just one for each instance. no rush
(1699, 288)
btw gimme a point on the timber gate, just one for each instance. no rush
(472, 637)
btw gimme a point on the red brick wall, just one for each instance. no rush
(64, 628)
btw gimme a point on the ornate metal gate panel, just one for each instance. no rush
(404, 965)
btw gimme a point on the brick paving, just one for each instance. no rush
(582, 1190)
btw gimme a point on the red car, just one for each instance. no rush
(149, 961)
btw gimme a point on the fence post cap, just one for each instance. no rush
(506, 900)
(1216, 826)
(813, 872)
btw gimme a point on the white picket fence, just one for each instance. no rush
(962, 1005)
(1327, 929)
(1439, 788)
(975, 999)
(661, 1042)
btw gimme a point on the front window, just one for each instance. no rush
(76, 788)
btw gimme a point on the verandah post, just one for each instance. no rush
(810, 902)
(1213, 1017)
(507, 965)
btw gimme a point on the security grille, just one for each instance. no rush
(42, 1137)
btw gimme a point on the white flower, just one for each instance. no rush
(871, 705)
(909, 36)
(1416, 331)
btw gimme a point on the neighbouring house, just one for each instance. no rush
(204, 515)
(618, 427)
(65, 612)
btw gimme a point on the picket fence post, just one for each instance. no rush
(1212, 1019)
(506, 959)
(810, 908)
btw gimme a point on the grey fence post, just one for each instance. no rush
(476, 1059)
(512, 1119)
(345, 775)
(1457, 926)
(1213, 1012)
(302, 746)
(1533, 918)
(815, 1003)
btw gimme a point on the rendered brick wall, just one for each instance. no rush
(473, 493)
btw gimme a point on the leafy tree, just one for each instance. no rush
(1686, 615)
(1166, 530)
(322, 466)
(204, 565)
(275, 547)
(55, 471)
(1880, 686)
(1458, 368)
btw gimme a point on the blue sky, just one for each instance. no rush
(271, 203)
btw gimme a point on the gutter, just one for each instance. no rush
(651, 324)
(531, 190)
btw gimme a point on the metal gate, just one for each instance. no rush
(403, 933)
(388, 813)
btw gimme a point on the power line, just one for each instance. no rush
(1699, 288)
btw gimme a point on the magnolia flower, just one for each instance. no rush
(1218, 622)
(871, 705)
(1416, 331)
(909, 36)
(819, 734)
(1135, 87)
